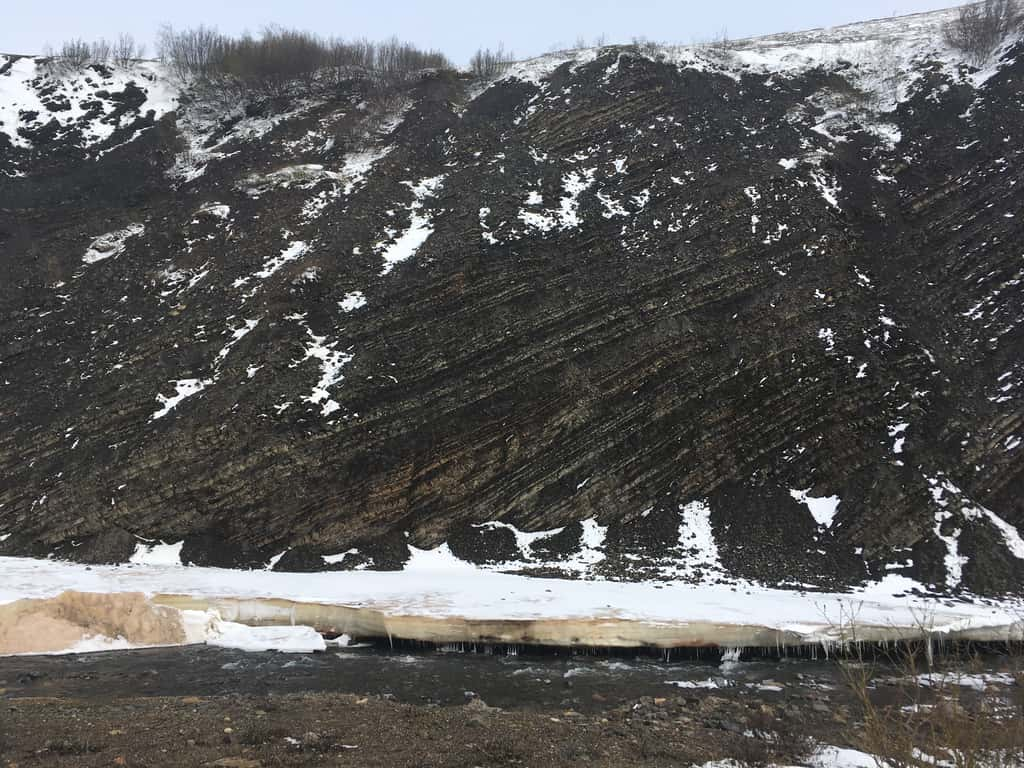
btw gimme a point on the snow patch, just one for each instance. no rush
(184, 389)
(421, 227)
(822, 508)
(331, 363)
(111, 244)
(352, 301)
(295, 250)
(697, 540)
(148, 553)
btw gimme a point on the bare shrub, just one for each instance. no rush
(280, 57)
(939, 720)
(270, 63)
(126, 50)
(396, 60)
(380, 108)
(719, 43)
(75, 54)
(645, 47)
(100, 51)
(191, 53)
(50, 61)
(487, 63)
(342, 55)
(979, 28)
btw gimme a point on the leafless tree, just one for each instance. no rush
(100, 51)
(191, 53)
(487, 63)
(126, 50)
(75, 54)
(274, 60)
(979, 28)
(396, 60)
(355, 53)
(280, 57)
(645, 47)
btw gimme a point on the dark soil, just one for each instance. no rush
(342, 729)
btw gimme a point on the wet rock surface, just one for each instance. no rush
(624, 290)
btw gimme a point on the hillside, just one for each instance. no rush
(743, 311)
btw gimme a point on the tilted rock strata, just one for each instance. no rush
(607, 293)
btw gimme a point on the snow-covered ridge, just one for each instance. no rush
(883, 52)
(32, 95)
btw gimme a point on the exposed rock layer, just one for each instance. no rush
(631, 287)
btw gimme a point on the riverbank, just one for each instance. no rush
(369, 706)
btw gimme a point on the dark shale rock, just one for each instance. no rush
(105, 548)
(663, 352)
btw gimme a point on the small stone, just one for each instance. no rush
(732, 726)
(229, 729)
(235, 762)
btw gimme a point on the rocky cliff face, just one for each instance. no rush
(722, 313)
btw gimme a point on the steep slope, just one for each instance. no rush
(743, 312)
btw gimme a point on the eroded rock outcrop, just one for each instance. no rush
(605, 289)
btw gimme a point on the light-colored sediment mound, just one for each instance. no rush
(60, 623)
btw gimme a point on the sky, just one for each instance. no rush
(458, 27)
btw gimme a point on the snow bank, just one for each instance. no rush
(450, 600)
(207, 627)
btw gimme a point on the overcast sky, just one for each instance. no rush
(458, 27)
